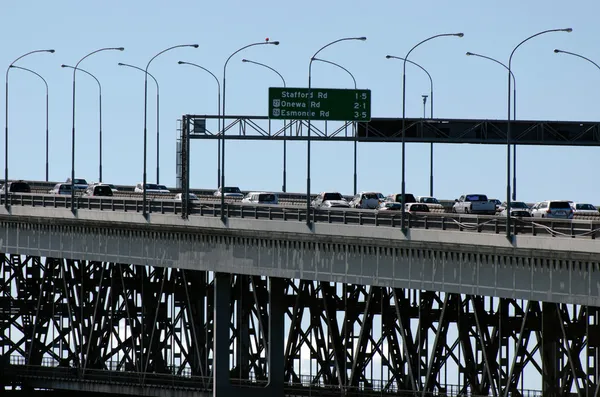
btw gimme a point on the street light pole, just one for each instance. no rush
(577, 55)
(157, 117)
(222, 185)
(514, 194)
(508, 137)
(47, 134)
(430, 116)
(73, 209)
(218, 114)
(6, 124)
(403, 221)
(100, 111)
(308, 200)
(144, 194)
(355, 179)
(283, 187)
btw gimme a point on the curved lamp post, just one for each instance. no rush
(6, 123)
(430, 116)
(508, 137)
(157, 117)
(283, 186)
(403, 222)
(222, 184)
(218, 114)
(47, 134)
(514, 194)
(353, 123)
(100, 112)
(308, 200)
(75, 68)
(577, 55)
(144, 195)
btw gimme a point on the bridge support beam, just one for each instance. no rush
(222, 386)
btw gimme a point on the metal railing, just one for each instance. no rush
(436, 221)
(49, 369)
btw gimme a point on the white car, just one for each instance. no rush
(78, 183)
(261, 198)
(367, 200)
(191, 197)
(229, 191)
(330, 200)
(584, 209)
(61, 188)
(518, 209)
(150, 188)
(163, 189)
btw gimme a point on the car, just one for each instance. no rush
(381, 197)
(79, 184)
(229, 191)
(366, 200)
(163, 189)
(390, 206)
(191, 197)
(497, 202)
(560, 209)
(584, 209)
(61, 188)
(16, 187)
(416, 207)
(427, 200)
(98, 190)
(110, 185)
(518, 209)
(150, 188)
(261, 198)
(397, 198)
(474, 204)
(330, 200)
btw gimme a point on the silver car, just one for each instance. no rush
(560, 209)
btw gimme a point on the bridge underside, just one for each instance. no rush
(100, 326)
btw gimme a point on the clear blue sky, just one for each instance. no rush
(550, 87)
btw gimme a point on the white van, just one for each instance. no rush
(261, 198)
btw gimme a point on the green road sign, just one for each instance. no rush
(319, 104)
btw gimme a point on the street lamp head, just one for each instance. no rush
(568, 30)
(274, 42)
(120, 48)
(469, 53)
(51, 51)
(195, 45)
(459, 34)
(181, 62)
(388, 57)
(64, 66)
(361, 38)
(556, 51)
(244, 60)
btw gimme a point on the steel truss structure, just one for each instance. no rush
(219, 329)
(524, 132)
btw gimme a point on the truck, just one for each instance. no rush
(474, 204)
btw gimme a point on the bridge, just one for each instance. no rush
(108, 300)
(208, 299)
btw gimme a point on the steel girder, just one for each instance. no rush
(120, 317)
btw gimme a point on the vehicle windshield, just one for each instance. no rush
(102, 190)
(390, 204)
(110, 185)
(162, 187)
(266, 197)
(79, 181)
(19, 187)
(585, 207)
(380, 196)
(519, 205)
(332, 196)
(64, 187)
(476, 197)
(368, 196)
(231, 190)
(192, 196)
(152, 186)
(562, 205)
(429, 200)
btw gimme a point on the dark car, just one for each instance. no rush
(17, 187)
(99, 191)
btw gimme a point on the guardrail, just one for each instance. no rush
(18, 369)
(470, 223)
